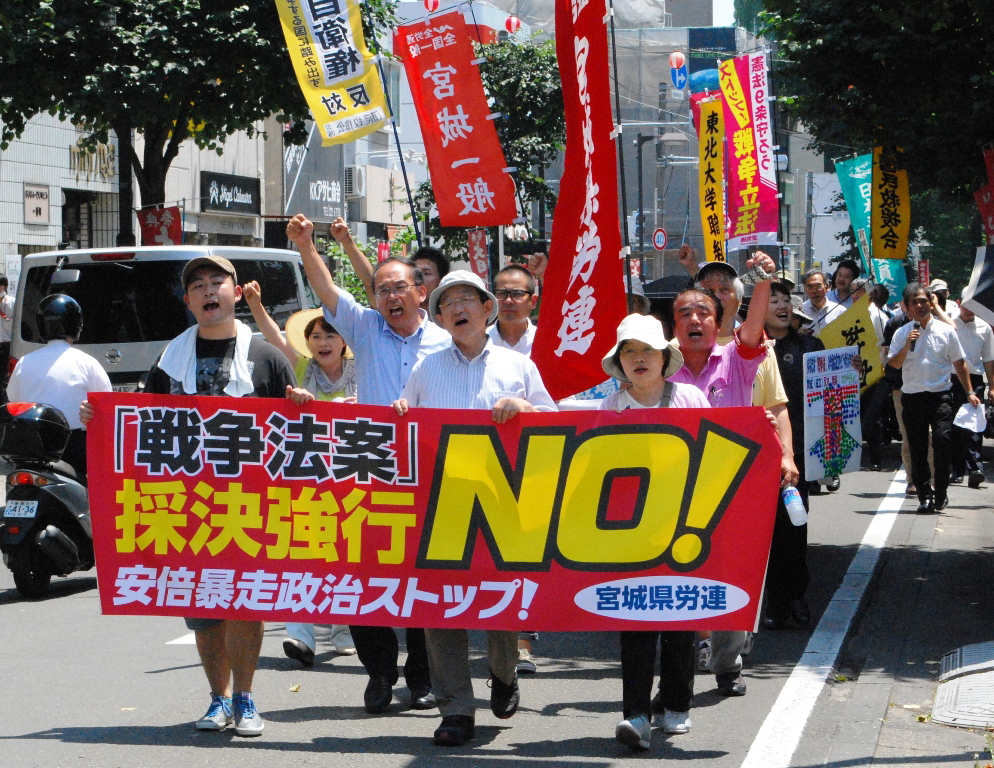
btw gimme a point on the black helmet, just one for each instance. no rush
(59, 317)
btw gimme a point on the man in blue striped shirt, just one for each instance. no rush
(472, 373)
(388, 341)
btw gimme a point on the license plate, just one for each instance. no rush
(21, 509)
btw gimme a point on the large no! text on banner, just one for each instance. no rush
(255, 509)
(468, 171)
(334, 68)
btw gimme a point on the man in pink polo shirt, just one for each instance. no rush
(725, 374)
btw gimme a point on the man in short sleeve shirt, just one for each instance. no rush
(928, 352)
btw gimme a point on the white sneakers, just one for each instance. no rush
(676, 722)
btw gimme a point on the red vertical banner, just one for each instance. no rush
(985, 202)
(584, 299)
(161, 226)
(479, 254)
(465, 161)
(923, 274)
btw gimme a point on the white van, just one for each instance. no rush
(132, 300)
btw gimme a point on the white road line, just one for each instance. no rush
(780, 733)
(190, 639)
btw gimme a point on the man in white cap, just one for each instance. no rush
(941, 290)
(474, 373)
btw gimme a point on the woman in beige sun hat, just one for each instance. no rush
(318, 353)
(324, 367)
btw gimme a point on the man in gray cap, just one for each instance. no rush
(474, 373)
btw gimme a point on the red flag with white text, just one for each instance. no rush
(584, 299)
(465, 161)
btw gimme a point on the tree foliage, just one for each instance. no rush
(522, 80)
(172, 69)
(919, 75)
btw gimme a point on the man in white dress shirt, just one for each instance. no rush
(818, 307)
(927, 351)
(514, 289)
(977, 340)
(473, 373)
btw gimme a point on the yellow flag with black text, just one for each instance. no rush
(890, 217)
(711, 180)
(335, 70)
(854, 328)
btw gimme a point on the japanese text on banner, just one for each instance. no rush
(711, 140)
(465, 160)
(891, 204)
(334, 69)
(351, 514)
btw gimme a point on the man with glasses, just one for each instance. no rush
(387, 341)
(474, 373)
(514, 288)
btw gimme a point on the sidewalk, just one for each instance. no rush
(933, 592)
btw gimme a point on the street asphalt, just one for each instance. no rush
(81, 690)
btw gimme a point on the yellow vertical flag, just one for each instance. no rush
(854, 328)
(334, 68)
(890, 223)
(711, 180)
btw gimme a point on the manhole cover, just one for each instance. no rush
(970, 658)
(966, 701)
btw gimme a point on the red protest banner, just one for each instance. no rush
(753, 209)
(984, 198)
(256, 509)
(161, 226)
(465, 159)
(479, 253)
(584, 298)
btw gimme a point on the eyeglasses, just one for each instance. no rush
(386, 291)
(458, 302)
(517, 295)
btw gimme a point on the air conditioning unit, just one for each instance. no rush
(355, 181)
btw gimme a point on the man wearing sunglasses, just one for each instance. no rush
(514, 288)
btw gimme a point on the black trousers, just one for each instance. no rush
(874, 404)
(4, 362)
(924, 411)
(966, 444)
(378, 650)
(677, 665)
(787, 574)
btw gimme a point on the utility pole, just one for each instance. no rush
(809, 220)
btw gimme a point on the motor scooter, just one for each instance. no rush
(45, 524)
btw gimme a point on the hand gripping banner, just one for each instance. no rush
(255, 509)
(584, 294)
(334, 69)
(468, 171)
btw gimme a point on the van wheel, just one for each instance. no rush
(31, 577)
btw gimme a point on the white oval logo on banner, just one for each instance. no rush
(662, 598)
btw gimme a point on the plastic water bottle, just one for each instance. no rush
(795, 506)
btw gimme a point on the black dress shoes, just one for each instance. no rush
(941, 501)
(423, 698)
(800, 612)
(378, 695)
(504, 698)
(454, 731)
(731, 684)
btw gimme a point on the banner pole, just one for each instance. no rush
(621, 157)
(396, 137)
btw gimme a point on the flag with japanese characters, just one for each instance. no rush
(711, 176)
(479, 254)
(255, 509)
(854, 329)
(984, 198)
(890, 218)
(469, 174)
(753, 210)
(161, 226)
(584, 296)
(335, 70)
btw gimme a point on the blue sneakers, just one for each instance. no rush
(219, 715)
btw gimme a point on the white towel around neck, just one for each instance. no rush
(179, 362)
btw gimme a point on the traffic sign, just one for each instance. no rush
(679, 77)
(659, 239)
